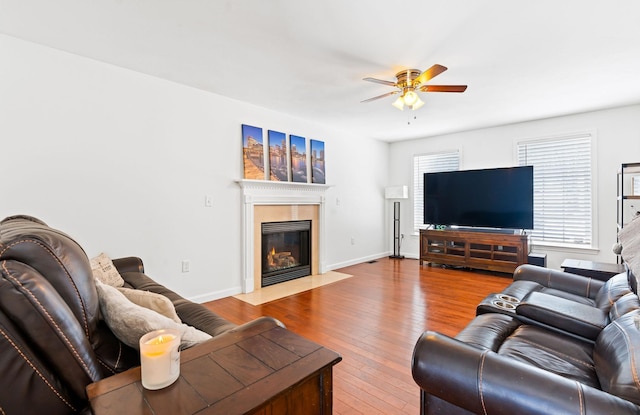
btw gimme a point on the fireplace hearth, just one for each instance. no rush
(286, 251)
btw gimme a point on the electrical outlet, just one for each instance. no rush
(353, 241)
(186, 265)
(208, 201)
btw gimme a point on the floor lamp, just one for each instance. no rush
(396, 192)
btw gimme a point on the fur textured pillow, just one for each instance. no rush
(104, 270)
(129, 321)
(153, 301)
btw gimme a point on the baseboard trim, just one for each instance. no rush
(333, 267)
(215, 295)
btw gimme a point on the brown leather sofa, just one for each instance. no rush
(564, 302)
(551, 343)
(53, 342)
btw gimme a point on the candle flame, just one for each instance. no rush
(161, 339)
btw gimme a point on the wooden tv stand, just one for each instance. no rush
(500, 252)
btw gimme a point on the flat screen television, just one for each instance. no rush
(487, 198)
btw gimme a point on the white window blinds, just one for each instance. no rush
(429, 163)
(562, 188)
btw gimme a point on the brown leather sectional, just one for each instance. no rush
(550, 343)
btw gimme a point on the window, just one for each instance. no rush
(562, 188)
(429, 163)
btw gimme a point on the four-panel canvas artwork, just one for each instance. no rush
(282, 158)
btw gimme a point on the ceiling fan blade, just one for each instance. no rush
(379, 81)
(443, 88)
(381, 96)
(430, 73)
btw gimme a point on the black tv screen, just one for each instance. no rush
(488, 198)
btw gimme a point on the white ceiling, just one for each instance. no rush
(522, 59)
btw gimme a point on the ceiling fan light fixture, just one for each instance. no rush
(411, 81)
(410, 98)
(419, 103)
(399, 104)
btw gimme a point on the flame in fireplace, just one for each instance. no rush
(270, 257)
(280, 260)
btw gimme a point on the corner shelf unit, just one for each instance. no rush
(628, 193)
(479, 250)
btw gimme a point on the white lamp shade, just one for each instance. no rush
(396, 192)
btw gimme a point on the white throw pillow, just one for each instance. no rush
(129, 321)
(104, 270)
(629, 238)
(153, 301)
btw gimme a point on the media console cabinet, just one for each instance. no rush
(489, 251)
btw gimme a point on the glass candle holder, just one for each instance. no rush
(160, 358)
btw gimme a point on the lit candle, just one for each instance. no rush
(160, 358)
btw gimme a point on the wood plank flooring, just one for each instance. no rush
(373, 320)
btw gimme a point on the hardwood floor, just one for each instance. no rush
(373, 320)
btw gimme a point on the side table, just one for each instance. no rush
(598, 270)
(260, 369)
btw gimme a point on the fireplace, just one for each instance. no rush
(286, 251)
(273, 201)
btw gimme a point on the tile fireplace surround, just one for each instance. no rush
(270, 201)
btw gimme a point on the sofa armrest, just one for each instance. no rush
(129, 264)
(563, 281)
(192, 314)
(563, 314)
(482, 381)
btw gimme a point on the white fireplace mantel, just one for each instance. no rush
(262, 192)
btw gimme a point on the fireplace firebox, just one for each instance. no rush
(286, 251)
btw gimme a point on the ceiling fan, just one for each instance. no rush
(409, 81)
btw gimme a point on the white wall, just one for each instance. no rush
(618, 141)
(122, 162)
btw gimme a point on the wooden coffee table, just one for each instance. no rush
(260, 369)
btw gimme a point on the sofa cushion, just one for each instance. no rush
(561, 354)
(129, 321)
(521, 288)
(623, 305)
(27, 383)
(617, 356)
(616, 287)
(488, 331)
(59, 259)
(34, 306)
